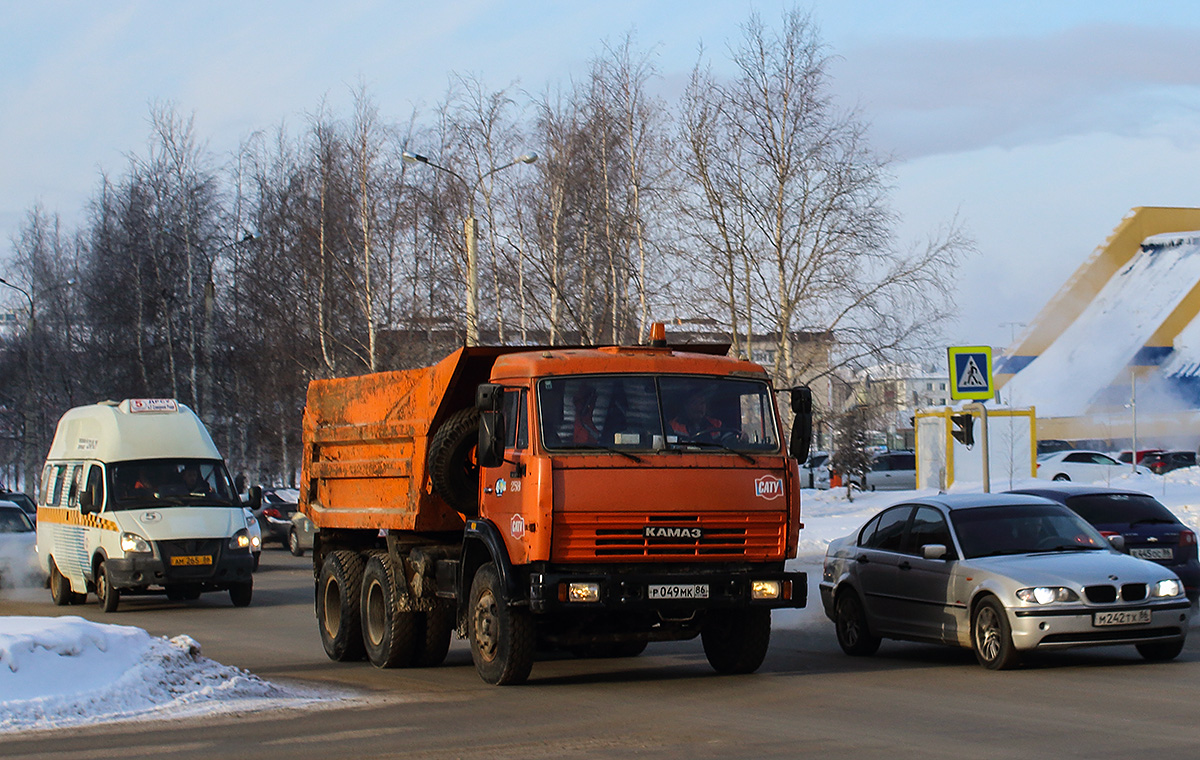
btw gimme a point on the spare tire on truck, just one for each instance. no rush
(452, 463)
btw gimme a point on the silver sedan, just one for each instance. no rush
(1000, 574)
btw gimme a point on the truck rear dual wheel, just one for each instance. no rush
(736, 641)
(392, 636)
(389, 633)
(502, 637)
(452, 463)
(339, 588)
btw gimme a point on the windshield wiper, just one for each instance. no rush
(602, 447)
(715, 445)
(1065, 548)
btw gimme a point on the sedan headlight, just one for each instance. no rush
(1047, 595)
(240, 540)
(1166, 589)
(132, 543)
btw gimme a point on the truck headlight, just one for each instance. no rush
(1047, 595)
(240, 540)
(1166, 588)
(132, 543)
(577, 591)
(764, 589)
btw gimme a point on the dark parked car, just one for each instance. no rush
(1051, 445)
(1162, 462)
(22, 501)
(1148, 529)
(273, 510)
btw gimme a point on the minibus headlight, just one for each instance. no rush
(240, 540)
(132, 543)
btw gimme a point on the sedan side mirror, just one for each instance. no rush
(1117, 541)
(933, 551)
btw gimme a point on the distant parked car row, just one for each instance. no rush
(277, 515)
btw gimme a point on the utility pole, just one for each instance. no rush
(471, 232)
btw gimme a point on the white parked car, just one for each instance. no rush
(1083, 466)
(815, 472)
(893, 471)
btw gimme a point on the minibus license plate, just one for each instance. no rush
(192, 559)
(679, 591)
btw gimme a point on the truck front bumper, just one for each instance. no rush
(666, 592)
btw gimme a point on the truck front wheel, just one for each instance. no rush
(502, 637)
(736, 641)
(389, 632)
(338, 591)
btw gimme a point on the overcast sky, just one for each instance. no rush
(1039, 125)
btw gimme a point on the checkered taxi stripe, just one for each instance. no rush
(72, 517)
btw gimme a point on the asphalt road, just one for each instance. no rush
(808, 698)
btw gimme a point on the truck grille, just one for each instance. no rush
(621, 536)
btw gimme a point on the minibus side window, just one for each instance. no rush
(47, 480)
(57, 487)
(76, 481)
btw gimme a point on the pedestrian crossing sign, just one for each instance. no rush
(971, 372)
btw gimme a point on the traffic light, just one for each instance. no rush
(964, 431)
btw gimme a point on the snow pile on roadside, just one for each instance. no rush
(67, 671)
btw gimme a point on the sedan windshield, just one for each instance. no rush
(1023, 529)
(171, 482)
(649, 413)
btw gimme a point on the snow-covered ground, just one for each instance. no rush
(66, 671)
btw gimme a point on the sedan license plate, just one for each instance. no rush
(1121, 617)
(1161, 553)
(192, 559)
(678, 591)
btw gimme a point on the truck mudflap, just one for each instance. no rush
(666, 592)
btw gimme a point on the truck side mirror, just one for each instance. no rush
(489, 400)
(802, 423)
(85, 502)
(254, 498)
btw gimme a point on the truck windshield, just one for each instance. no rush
(657, 412)
(171, 482)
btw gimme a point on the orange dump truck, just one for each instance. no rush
(580, 499)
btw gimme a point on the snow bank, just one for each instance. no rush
(67, 671)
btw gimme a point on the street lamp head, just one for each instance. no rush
(528, 158)
(414, 158)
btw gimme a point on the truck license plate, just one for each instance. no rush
(192, 559)
(1152, 553)
(679, 591)
(1122, 617)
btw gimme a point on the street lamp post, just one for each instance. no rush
(471, 232)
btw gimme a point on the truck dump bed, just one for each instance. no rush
(366, 439)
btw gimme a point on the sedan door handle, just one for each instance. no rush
(862, 560)
(904, 565)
